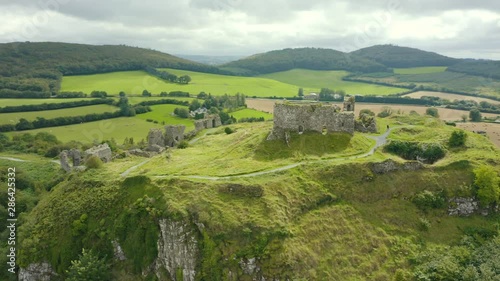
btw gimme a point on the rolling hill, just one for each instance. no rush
(35, 69)
(307, 58)
(403, 57)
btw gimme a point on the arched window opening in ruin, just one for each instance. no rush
(342, 125)
(301, 129)
(324, 131)
(213, 123)
(176, 138)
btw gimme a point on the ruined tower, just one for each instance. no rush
(348, 103)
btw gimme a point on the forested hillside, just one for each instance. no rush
(485, 68)
(307, 58)
(35, 69)
(395, 56)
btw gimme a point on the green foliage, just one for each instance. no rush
(427, 152)
(486, 68)
(93, 162)
(386, 112)
(432, 111)
(487, 182)
(366, 112)
(89, 267)
(181, 112)
(183, 144)
(427, 200)
(457, 139)
(98, 94)
(228, 130)
(475, 115)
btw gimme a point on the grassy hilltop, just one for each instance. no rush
(314, 210)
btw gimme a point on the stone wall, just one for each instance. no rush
(37, 272)
(294, 117)
(212, 121)
(174, 135)
(156, 137)
(103, 151)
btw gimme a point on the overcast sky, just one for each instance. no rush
(458, 28)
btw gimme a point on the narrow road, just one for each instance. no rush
(379, 141)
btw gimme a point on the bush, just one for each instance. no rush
(457, 139)
(367, 112)
(487, 182)
(93, 162)
(181, 112)
(88, 267)
(183, 144)
(386, 112)
(228, 130)
(475, 115)
(426, 152)
(426, 200)
(432, 111)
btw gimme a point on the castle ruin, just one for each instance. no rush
(316, 117)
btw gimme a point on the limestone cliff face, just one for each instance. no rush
(177, 250)
(37, 272)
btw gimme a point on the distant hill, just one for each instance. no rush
(307, 58)
(35, 69)
(210, 60)
(395, 56)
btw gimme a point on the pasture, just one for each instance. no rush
(316, 79)
(134, 82)
(18, 102)
(117, 128)
(248, 113)
(164, 115)
(450, 97)
(12, 118)
(420, 70)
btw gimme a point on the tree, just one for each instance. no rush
(145, 93)
(487, 182)
(24, 124)
(475, 115)
(457, 139)
(181, 112)
(88, 268)
(432, 111)
(195, 104)
(464, 118)
(301, 92)
(122, 94)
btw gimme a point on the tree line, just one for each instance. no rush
(53, 106)
(184, 79)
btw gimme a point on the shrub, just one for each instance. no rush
(93, 162)
(432, 111)
(487, 182)
(457, 139)
(427, 152)
(228, 130)
(367, 112)
(423, 224)
(475, 115)
(183, 144)
(88, 267)
(426, 200)
(386, 112)
(181, 112)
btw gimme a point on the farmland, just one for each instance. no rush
(163, 114)
(249, 113)
(6, 118)
(134, 82)
(450, 97)
(117, 128)
(330, 79)
(444, 113)
(420, 70)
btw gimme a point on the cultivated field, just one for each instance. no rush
(12, 118)
(117, 128)
(492, 130)
(448, 96)
(330, 79)
(134, 82)
(136, 100)
(17, 102)
(420, 70)
(163, 113)
(248, 113)
(444, 113)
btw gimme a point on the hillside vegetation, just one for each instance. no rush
(307, 58)
(403, 57)
(35, 69)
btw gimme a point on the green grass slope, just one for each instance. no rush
(330, 79)
(134, 82)
(308, 58)
(420, 70)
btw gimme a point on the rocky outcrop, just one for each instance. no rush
(459, 206)
(103, 151)
(177, 250)
(366, 126)
(390, 165)
(118, 251)
(37, 272)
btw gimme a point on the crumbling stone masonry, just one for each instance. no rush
(103, 151)
(156, 137)
(317, 117)
(174, 135)
(73, 154)
(212, 121)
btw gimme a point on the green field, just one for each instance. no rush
(17, 102)
(420, 70)
(134, 82)
(117, 128)
(6, 118)
(163, 113)
(329, 79)
(136, 100)
(248, 113)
